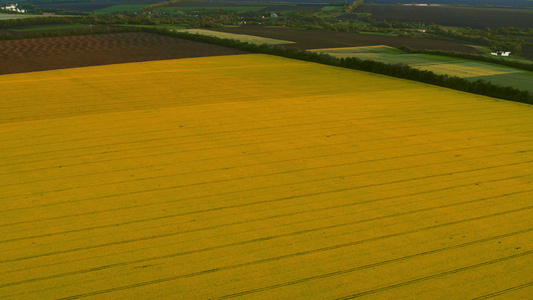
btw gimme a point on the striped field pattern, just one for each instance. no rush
(253, 176)
(441, 65)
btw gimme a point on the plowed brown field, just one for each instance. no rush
(260, 177)
(316, 39)
(41, 54)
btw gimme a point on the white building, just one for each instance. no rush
(14, 7)
(501, 53)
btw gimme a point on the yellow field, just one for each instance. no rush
(260, 177)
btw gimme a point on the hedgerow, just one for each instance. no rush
(399, 70)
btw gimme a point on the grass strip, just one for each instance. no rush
(494, 60)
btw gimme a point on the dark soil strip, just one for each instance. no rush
(39, 54)
(316, 39)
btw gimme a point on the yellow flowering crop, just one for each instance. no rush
(259, 177)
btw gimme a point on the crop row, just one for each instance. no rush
(259, 176)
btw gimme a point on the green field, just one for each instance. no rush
(243, 8)
(53, 27)
(378, 33)
(464, 68)
(119, 8)
(19, 16)
(329, 8)
(168, 26)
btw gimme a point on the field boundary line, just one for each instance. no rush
(284, 172)
(421, 279)
(306, 253)
(245, 144)
(415, 113)
(234, 223)
(298, 232)
(369, 266)
(502, 292)
(284, 284)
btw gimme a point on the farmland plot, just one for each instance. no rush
(239, 37)
(473, 70)
(235, 8)
(260, 177)
(18, 16)
(40, 54)
(318, 39)
(120, 8)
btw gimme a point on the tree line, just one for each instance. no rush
(399, 70)
(504, 39)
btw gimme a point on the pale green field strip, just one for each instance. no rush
(54, 27)
(474, 70)
(19, 16)
(237, 8)
(260, 177)
(239, 37)
(332, 8)
(120, 8)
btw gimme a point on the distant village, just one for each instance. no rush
(501, 53)
(13, 7)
